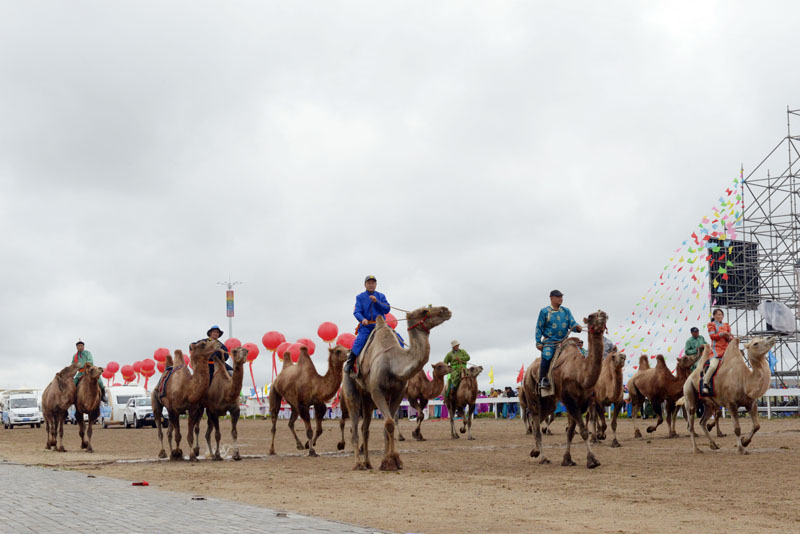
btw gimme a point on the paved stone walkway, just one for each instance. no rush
(36, 499)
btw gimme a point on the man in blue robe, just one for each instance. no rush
(554, 325)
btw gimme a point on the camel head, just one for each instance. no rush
(693, 359)
(94, 372)
(686, 362)
(617, 358)
(337, 355)
(759, 346)
(428, 317)
(473, 372)
(441, 369)
(199, 352)
(239, 355)
(596, 322)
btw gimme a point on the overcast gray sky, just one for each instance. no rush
(473, 155)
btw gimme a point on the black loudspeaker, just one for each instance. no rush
(733, 273)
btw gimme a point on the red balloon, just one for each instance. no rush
(252, 351)
(327, 331)
(137, 367)
(160, 355)
(148, 365)
(113, 367)
(186, 359)
(233, 343)
(128, 374)
(107, 374)
(272, 340)
(148, 373)
(309, 345)
(282, 349)
(294, 350)
(391, 320)
(346, 340)
(161, 367)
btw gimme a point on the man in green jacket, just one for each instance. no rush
(694, 343)
(457, 360)
(82, 357)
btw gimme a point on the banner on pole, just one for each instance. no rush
(229, 302)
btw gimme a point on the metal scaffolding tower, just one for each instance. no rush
(766, 262)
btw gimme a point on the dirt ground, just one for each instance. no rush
(490, 484)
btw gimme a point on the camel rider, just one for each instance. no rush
(457, 360)
(369, 305)
(720, 334)
(82, 357)
(693, 344)
(554, 325)
(214, 334)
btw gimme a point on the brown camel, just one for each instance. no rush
(607, 392)
(222, 397)
(735, 386)
(526, 392)
(419, 391)
(384, 368)
(57, 397)
(87, 401)
(302, 387)
(463, 397)
(183, 393)
(659, 385)
(573, 377)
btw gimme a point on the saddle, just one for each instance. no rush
(711, 388)
(162, 383)
(360, 358)
(556, 360)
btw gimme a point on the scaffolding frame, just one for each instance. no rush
(771, 221)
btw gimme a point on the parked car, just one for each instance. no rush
(21, 408)
(118, 397)
(139, 412)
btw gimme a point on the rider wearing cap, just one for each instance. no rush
(369, 305)
(82, 357)
(554, 325)
(214, 334)
(457, 360)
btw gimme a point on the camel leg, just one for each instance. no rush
(737, 428)
(51, 442)
(292, 419)
(397, 418)
(576, 419)
(217, 436)
(717, 421)
(468, 419)
(89, 434)
(177, 453)
(235, 433)
(599, 411)
(753, 409)
(537, 437)
(367, 419)
(635, 407)
(451, 413)
(659, 417)
(703, 420)
(192, 422)
(306, 417)
(390, 456)
(567, 461)
(340, 445)
(671, 421)
(159, 422)
(81, 429)
(319, 413)
(355, 415)
(591, 416)
(274, 408)
(614, 415)
(60, 424)
(209, 429)
(417, 434)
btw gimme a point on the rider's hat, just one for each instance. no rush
(215, 327)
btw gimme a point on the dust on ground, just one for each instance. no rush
(490, 484)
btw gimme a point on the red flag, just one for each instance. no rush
(521, 374)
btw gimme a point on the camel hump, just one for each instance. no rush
(169, 362)
(644, 362)
(661, 362)
(287, 359)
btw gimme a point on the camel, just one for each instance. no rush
(463, 397)
(525, 392)
(222, 397)
(735, 386)
(384, 368)
(419, 391)
(87, 401)
(659, 385)
(573, 377)
(183, 393)
(607, 391)
(302, 387)
(57, 397)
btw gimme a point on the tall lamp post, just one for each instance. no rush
(229, 302)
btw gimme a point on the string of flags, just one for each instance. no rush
(683, 294)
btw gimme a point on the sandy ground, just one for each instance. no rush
(490, 484)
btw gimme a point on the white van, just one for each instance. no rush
(21, 407)
(118, 397)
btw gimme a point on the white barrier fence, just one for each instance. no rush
(252, 408)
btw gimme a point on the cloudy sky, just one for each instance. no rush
(473, 155)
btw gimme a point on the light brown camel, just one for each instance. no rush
(384, 368)
(735, 386)
(463, 397)
(659, 385)
(184, 392)
(573, 377)
(302, 387)
(528, 391)
(607, 392)
(419, 391)
(87, 401)
(222, 397)
(57, 397)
